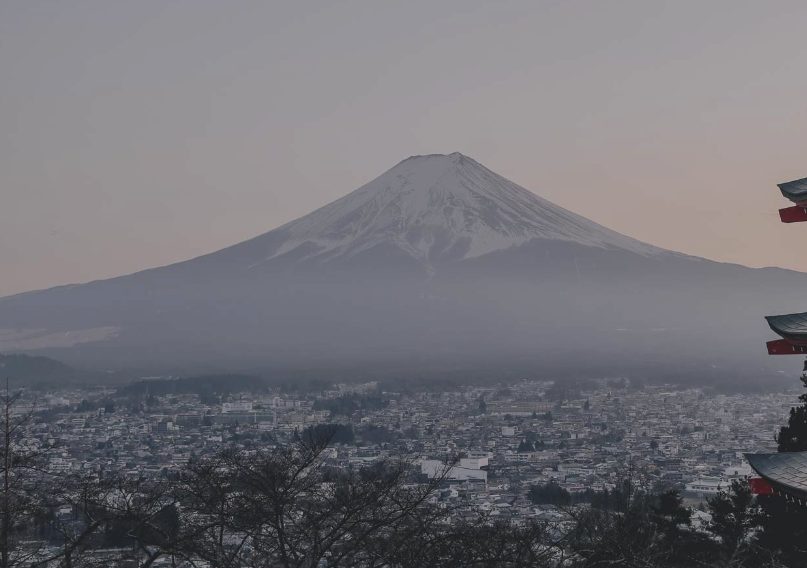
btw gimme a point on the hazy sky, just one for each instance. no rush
(135, 134)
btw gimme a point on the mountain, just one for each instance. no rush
(439, 265)
(437, 209)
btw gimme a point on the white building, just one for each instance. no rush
(467, 469)
(240, 406)
(706, 486)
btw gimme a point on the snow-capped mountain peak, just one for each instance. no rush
(441, 207)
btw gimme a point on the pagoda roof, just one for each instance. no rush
(789, 326)
(795, 191)
(786, 471)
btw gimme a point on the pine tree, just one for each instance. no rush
(734, 520)
(793, 437)
(783, 524)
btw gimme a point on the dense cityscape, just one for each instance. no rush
(510, 437)
(524, 455)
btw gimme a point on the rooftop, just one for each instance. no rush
(786, 470)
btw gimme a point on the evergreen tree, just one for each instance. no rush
(734, 520)
(782, 524)
(782, 530)
(549, 494)
(793, 437)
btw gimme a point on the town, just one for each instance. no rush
(506, 440)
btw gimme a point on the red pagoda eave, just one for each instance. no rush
(787, 347)
(762, 486)
(795, 214)
(759, 486)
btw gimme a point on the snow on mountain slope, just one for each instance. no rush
(442, 206)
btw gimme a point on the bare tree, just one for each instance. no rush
(286, 507)
(478, 542)
(87, 499)
(22, 465)
(145, 510)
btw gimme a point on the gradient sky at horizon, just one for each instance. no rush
(137, 134)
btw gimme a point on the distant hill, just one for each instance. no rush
(26, 367)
